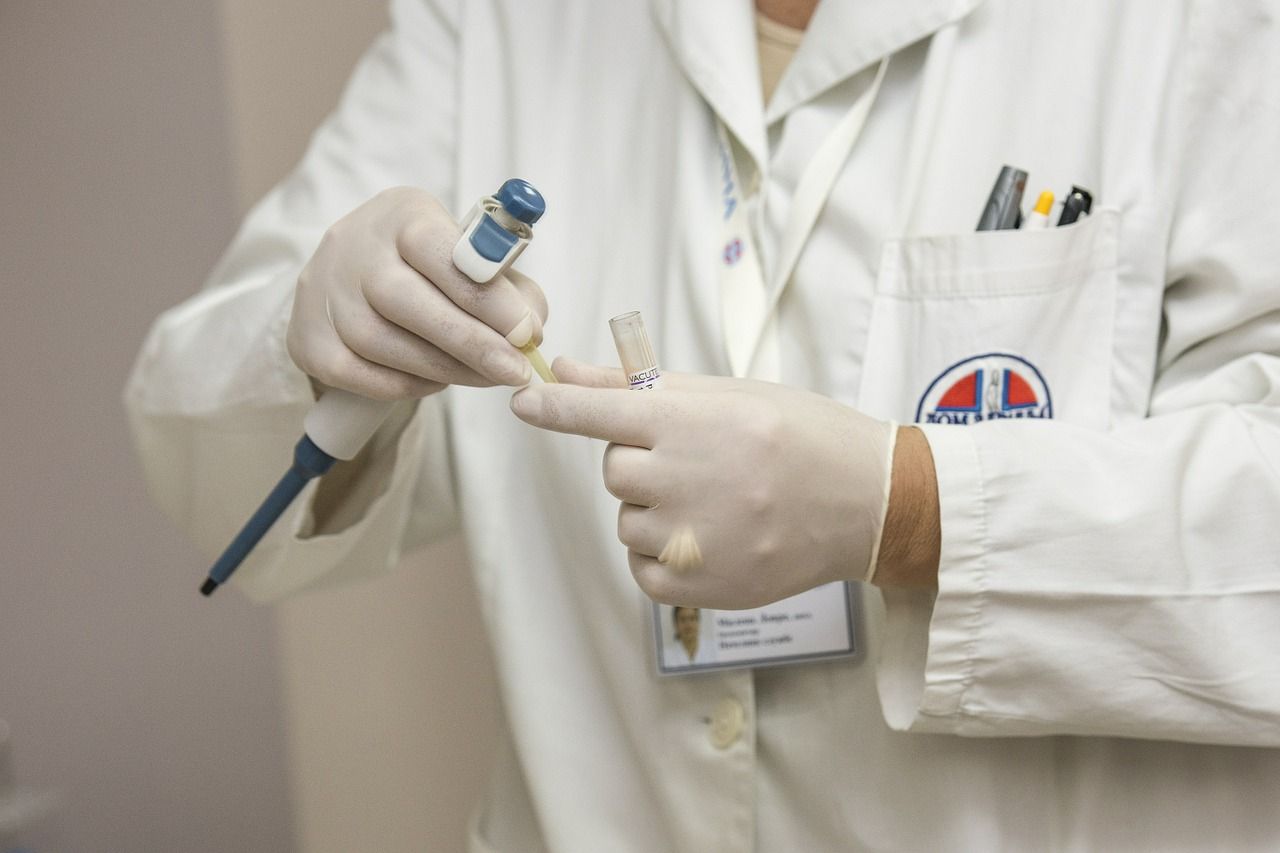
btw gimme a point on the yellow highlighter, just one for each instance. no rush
(1039, 217)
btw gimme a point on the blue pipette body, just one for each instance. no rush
(309, 462)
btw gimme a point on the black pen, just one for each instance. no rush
(1077, 203)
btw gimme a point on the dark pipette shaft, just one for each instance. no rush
(309, 462)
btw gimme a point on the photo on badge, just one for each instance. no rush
(818, 624)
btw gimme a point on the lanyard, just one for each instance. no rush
(747, 302)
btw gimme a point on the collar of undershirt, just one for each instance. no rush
(776, 45)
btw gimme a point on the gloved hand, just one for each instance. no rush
(781, 489)
(381, 310)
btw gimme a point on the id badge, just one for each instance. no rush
(817, 624)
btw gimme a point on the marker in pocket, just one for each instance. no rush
(1039, 217)
(1003, 210)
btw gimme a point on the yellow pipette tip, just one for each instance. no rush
(539, 363)
(1044, 203)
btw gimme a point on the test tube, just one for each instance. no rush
(635, 351)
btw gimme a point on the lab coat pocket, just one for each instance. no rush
(995, 325)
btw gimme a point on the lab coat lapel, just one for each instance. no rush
(846, 36)
(713, 41)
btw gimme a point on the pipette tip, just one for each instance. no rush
(539, 363)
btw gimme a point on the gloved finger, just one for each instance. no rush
(338, 367)
(577, 372)
(640, 529)
(425, 242)
(628, 475)
(315, 347)
(659, 582)
(591, 375)
(400, 295)
(611, 414)
(533, 295)
(375, 338)
(703, 382)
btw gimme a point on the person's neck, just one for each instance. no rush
(789, 13)
(690, 647)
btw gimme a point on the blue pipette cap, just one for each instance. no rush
(521, 200)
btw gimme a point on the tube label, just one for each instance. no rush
(645, 380)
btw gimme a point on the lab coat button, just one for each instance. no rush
(727, 722)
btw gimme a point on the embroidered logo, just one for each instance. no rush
(732, 252)
(992, 386)
(728, 189)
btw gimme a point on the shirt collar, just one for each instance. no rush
(714, 43)
(847, 36)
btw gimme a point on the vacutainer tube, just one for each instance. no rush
(635, 351)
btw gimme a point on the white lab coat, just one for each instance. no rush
(1110, 577)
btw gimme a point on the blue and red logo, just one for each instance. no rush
(996, 385)
(732, 252)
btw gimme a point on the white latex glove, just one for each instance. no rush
(380, 309)
(782, 489)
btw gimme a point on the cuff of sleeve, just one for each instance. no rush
(929, 650)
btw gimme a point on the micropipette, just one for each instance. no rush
(494, 233)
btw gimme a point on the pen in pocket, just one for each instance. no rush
(1077, 203)
(1003, 210)
(1039, 217)
(1004, 206)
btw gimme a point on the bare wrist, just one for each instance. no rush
(912, 538)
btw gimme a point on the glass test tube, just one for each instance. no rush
(635, 351)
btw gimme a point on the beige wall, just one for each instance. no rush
(155, 714)
(389, 692)
(133, 134)
(286, 62)
(391, 709)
